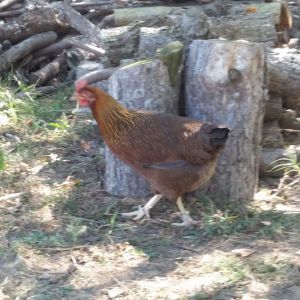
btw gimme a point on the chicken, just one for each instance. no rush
(174, 154)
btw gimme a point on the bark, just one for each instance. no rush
(289, 120)
(35, 21)
(98, 75)
(6, 3)
(49, 71)
(291, 136)
(53, 49)
(284, 71)
(254, 22)
(224, 84)
(87, 47)
(12, 13)
(23, 49)
(273, 107)
(144, 85)
(82, 24)
(183, 23)
(272, 137)
(120, 42)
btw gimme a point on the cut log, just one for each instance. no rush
(291, 136)
(12, 13)
(142, 85)
(53, 49)
(51, 18)
(183, 23)
(255, 22)
(49, 71)
(98, 75)
(224, 84)
(289, 120)
(6, 3)
(120, 42)
(273, 107)
(272, 137)
(82, 24)
(23, 49)
(284, 71)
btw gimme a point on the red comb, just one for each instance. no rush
(80, 84)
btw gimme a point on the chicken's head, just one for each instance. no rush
(84, 95)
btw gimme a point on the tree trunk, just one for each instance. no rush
(224, 84)
(144, 85)
(284, 71)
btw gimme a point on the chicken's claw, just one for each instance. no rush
(187, 221)
(137, 214)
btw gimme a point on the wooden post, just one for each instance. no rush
(146, 85)
(224, 83)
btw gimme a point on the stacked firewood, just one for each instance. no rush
(43, 42)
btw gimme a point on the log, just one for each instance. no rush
(51, 18)
(273, 107)
(12, 13)
(255, 22)
(284, 71)
(23, 49)
(53, 49)
(224, 84)
(142, 85)
(272, 137)
(120, 42)
(98, 75)
(289, 120)
(87, 47)
(6, 3)
(183, 23)
(49, 71)
(82, 24)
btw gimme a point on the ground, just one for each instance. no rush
(63, 237)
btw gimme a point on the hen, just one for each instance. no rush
(174, 154)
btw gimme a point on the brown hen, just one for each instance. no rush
(174, 154)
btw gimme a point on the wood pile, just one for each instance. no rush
(48, 43)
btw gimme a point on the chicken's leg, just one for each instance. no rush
(187, 219)
(143, 211)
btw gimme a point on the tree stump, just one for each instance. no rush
(145, 85)
(224, 84)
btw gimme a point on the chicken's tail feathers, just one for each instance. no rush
(219, 136)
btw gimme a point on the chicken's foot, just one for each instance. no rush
(143, 211)
(187, 219)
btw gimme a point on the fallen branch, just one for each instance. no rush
(100, 75)
(23, 49)
(49, 71)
